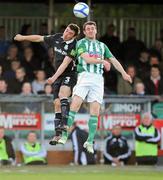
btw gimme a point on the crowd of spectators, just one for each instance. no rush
(24, 66)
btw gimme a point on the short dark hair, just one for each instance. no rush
(75, 28)
(89, 23)
(156, 66)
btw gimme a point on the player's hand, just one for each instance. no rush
(107, 65)
(115, 160)
(19, 37)
(50, 80)
(127, 77)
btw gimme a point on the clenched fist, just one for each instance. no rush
(19, 37)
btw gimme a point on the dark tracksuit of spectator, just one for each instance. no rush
(81, 156)
(116, 147)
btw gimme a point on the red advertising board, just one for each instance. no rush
(20, 121)
(158, 123)
(128, 121)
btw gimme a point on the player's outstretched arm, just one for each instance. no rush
(60, 70)
(32, 38)
(119, 67)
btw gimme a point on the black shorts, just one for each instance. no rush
(67, 80)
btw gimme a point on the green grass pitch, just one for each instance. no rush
(99, 172)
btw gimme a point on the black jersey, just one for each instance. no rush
(62, 48)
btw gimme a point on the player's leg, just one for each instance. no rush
(74, 108)
(79, 94)
(64, 94)
(57, 122)
(92, 124)
(57, 110)
(95, 98)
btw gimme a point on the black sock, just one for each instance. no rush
(65, 110)
(57, 122)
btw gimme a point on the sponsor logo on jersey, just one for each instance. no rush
(66, 47)
(60, 51)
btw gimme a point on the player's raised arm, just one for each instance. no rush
(32, 38)
(60, 70)
(119, 67)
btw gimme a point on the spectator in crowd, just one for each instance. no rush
(124, 87)
(40, 81)
(10, 74)
(116, 150)
(154, 60)
(12, 54)
(15, 85)
(30, 62)
(48, 64)
(26, 29)
(157, 49)
(4, 44)
(131, 48)
(3, 86)
(154, 83)
(26, 89)
(7, 154)
(81, 156)
(48, 89)
(110, 82)
(111, 40)
(38, 48)
(142, 65)
(33, 152)
(147, 138)
(43, 29)
(139, 89)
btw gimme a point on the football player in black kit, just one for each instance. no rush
(64, 48)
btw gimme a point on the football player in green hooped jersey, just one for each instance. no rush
(92, 56)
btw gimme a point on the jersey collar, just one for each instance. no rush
(68, 42)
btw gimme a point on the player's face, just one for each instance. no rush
(90, 31)
(68, 34)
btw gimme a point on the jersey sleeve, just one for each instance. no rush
(72, 51)
(49, 40)
(80, 48)
(107, 53)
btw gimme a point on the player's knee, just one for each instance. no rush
(64, 92)
(76, 103)
(57, 104)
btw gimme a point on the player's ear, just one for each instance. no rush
(84, 33)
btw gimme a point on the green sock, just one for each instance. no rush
(70, 122)
(92, 124)
(71, 117)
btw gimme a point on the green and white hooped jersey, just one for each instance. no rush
(95, 49)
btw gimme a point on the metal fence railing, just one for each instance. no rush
(147, 29)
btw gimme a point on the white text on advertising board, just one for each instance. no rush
(18, 121)
(127, 108)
